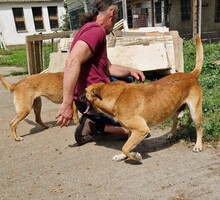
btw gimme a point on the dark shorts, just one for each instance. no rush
(98, 118)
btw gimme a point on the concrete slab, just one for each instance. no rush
(57, 61)
(145, 58)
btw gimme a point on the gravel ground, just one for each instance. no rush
(48, 164)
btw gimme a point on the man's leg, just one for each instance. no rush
(95, 123)
(117, 130)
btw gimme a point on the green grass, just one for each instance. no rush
(209, 80)
(18, 58)
(14, 58)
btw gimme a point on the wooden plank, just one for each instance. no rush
(37, 57)
(32, 38)
(168, 42)
(178, 48)
(30, 57)
(42, 55)
(195, 17)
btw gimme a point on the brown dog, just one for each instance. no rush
(27, 95)
(140, 106)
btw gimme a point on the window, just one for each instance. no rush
(19, 19)
(185, 10)
(217, 11)
(158, 14)
(38, 19)
(52, 12)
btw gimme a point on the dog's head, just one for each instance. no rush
(92, 92)
(102, 96)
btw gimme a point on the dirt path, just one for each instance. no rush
(49, 165)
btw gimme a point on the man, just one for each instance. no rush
(86, 64)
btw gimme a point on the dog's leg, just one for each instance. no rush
(132, 142)
(195, 107)
(23, 108)
(121, 156)
(75, 114)
(14, 123)
(138, 132)
(173, 129)
(37, 105)
(176, 115)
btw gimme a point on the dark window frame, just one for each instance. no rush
(19, 19)
(217, 10)
(53, 17)
(185, 6)
(38, 18)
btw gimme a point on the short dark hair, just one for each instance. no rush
(97, 6)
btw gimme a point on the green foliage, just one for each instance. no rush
(65, 18)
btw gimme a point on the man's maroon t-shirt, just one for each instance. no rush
(95, 69)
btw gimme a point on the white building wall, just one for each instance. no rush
(8, 33)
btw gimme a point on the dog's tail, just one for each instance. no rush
(199, 57)
(6, 84)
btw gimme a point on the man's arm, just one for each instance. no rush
(119, 71)
(80, 53)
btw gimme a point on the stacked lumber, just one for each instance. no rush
(147, 51)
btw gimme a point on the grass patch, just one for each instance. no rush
(5, 52)
(18, 57)
(15, 57)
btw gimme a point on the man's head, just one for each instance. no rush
(104, 12)
(108, 18)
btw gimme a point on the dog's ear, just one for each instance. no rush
(95, 92)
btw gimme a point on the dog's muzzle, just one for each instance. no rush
(82, 98)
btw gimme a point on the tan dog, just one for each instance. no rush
(27, 95)
(140, 106)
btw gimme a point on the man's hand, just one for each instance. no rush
(138, 74)
(64, 115)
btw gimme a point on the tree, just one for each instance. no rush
(65, 18)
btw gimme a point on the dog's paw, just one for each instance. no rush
(180, 115)
(18, 139)
(119, 157)
(197, 148)
(137, 156)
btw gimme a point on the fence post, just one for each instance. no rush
(195, 18)
(34, 50)
(38, 66)
(30, 57)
